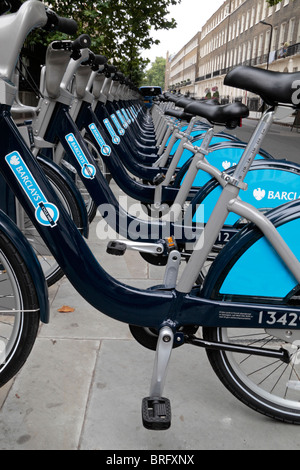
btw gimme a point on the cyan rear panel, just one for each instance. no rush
(260, 271)
(267, 188)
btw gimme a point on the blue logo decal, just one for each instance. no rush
(115, 139)
(133, 111)
(87, 170)
(117, 124)
(123, 122)
(126, 115)
(46, 213)
(105, 149)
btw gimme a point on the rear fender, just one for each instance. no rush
(223, 156)
(248, 269)
(271, 183)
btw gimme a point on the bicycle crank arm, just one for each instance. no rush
(118, 248)
(281, 354)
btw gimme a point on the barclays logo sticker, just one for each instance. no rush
(46, 213)
(105, 149)
(121, 118)
(226, 164)
(114, 137)
(259, 194)
(87, 169)
(117, 124)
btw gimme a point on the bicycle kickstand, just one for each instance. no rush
(156, 410)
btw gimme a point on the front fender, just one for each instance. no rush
(72, 187)
(21, 244)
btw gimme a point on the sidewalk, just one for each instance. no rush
(83, 383)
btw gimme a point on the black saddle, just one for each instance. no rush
(179, 114)
(227, 114)
(273, 87)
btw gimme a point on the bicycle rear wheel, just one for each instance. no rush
(267, 385)
(19, 311)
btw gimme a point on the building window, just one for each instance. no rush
(254, 53)
(264, 10)
(258, 12)
(274, 38)
(281, 35)
(260, 45)
(298, 34)
(291, 30)
(247, 20)
(239, 55)
(242, 23)
(252, 17)
(248, 56)
(267, 41)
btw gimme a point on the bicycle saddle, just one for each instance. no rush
(178, 114)
(228, 114)
(272, 87)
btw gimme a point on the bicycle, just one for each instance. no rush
(220, 304)
(24, 294)
(65, 188)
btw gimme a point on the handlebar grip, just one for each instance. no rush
(4, 7)
(58, 23)
(100, 59)
(82, 42)
(14, 5)
(67, 26)
(110, 68)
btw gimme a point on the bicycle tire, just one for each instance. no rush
(51, 268)
(19, 328)
(268, 386)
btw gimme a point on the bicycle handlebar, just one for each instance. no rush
(81, 42)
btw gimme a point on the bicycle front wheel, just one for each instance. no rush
(19, 311)
(267, 385)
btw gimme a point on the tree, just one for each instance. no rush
(273, 2)
(119, 29)
(155, 75)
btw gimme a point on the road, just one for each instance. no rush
(280, 142)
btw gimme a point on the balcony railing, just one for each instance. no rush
(261, 59)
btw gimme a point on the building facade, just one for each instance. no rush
(240, 32)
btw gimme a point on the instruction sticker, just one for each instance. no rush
(105, 149)
(87, 170)
(46, 213)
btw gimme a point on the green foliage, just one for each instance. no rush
(273, 2)
(119, 29)
(155, 75)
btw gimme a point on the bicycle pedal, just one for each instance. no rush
(156, 413)
(116, 248)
